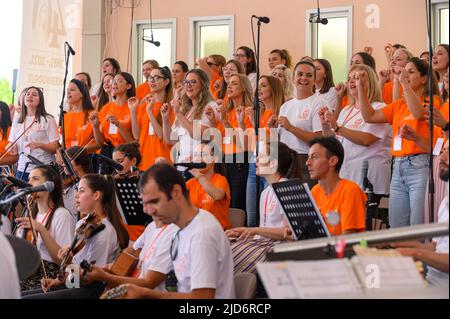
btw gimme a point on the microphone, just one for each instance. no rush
(18, 182)
(262, 19)
(46, 187)
(33, 159)
(317, 19)
(156, 43)
(191, 165)
(72, 51)
(110, 162)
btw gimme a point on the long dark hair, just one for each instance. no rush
(103, 97)
(130, 80)
(250, 67)
(5, 119)
(40, 110)
(106, 186)
(55, 199)
(87, 104)
(115, 64)
(328, 82)
(367, 59)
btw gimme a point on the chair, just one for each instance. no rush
(244, 285)
(237, 217)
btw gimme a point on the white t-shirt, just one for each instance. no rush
(204, 258)
(252, 79)
(271, 213)
(62, 231)
(187, 144)
(5, 227)
(302, 114)
(330, 97)
(70, 202)
(44, 132)
(155, 253)
(103, 247)
(9, 278)
(378, 154)
(434, 276)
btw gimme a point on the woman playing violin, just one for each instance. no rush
(96, 195)
(53, 223)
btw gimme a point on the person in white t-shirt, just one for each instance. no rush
(40, 132)
(96, 194)
(9, 278)
(200, 251)
(53, 224)
(362, 141)
(251, 244)
(299, 120)
(325, 83)
(434, 253)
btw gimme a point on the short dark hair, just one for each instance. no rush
(131, 150)
(285, 157)
(333, 147)
(82, 159)
(165, 176)
(367, 59)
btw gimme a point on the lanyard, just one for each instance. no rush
(150, 248)
(347, 119)
(46, 215)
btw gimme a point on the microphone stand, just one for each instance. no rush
(431, 190)
(61, 106)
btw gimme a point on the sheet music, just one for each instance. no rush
(277, 281)
(333, 278)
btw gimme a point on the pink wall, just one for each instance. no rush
(401, 21)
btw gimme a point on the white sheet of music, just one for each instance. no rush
(277, 281)
(333, 278)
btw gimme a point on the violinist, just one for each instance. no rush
(53, 223)
(78, 129)
(82, 165)
(96, 195)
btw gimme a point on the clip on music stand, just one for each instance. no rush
(305, 219)
(129, 202)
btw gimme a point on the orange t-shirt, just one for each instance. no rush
(345, 101)
(134, 231)
(78, 129)
(151, 147)
(143, 90)
(201, 199)
(216, 77)
(229, 145)
(444, 112)
(4, 141)
(387, 92)
(348, 200)
(397, 114)
(122, 112)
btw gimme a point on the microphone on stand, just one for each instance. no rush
(262, 19)
(110, 162)
(72, 51)
(156, 43)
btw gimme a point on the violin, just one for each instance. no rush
(28, 234)
(88, 229)
(131, 174)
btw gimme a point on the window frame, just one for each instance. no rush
(137, 48)
(436, 6)
(194, 39)
(329, 13)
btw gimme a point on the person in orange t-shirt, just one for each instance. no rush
(209, 190)
(78, 129)
(333, 194)
(113, 124)
(146, 120)
(410, 160)
(213, 65)
(5, 128)
(145, 89)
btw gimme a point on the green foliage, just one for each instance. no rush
(5, 91)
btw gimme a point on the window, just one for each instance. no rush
(331, 41)
(211, 35)
(440, 18)
(164, 31)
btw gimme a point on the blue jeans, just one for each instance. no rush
(407, 194)
(251, 195)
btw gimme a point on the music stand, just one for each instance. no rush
(129, 202)
(297, 203)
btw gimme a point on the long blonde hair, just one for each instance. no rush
(277, 92)
(204, 97)
(247, 93)
(373, 89)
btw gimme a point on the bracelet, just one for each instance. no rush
(337, 128)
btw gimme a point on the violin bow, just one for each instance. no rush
(16, 140)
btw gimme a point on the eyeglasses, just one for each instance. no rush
(174, 246)
(239, 55)
(189, 82)
(155, 78)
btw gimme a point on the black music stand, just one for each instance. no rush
(304, 217)
(129, 202)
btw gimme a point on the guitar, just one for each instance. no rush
(115, 293)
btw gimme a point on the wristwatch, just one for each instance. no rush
(445, 129)
(337, 128)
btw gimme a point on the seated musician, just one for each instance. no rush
(53, 223)
(209, 190)
(252, 243)
(95, 195)
(333, 194)
(82, 165)
(434, 253)
(129, 157)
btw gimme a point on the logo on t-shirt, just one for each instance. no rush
(304, 115)
(356, 124)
